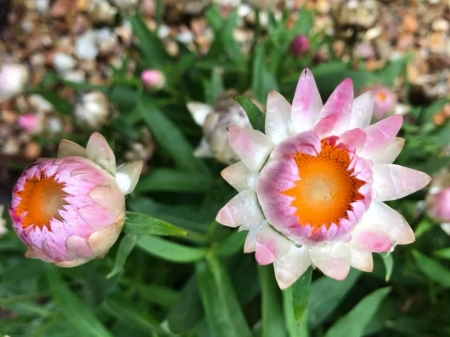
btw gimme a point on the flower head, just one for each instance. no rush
(311, 189)
(13, 79)
(71, 209)
(438, 200)
(153, 79)
(92, 110)
(385, 102)
(299, 46)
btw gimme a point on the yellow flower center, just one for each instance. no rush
(326, 187)
(41, 198)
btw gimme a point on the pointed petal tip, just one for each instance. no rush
(284, 278)
(99, 151)
(225, 218)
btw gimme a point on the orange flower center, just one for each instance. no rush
(41, 198)
(381, 96)
(326, 187)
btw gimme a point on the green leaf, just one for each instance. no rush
(125, 248)
(272, 308)
(263, 79)
(326, 294)
(443, 253)
(232, 244)
(169, 137)
(388, 261)
(173, 180)
(255, 115)
(300, 294)
(142, 224)
(61, 105)
(353, 323)
(432, 269)
(223, 312)
(73, 309)
(170, 251)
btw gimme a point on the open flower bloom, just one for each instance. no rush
(311, 189)
(71, 209)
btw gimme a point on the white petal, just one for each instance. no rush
(127, 175)
(243, 209)
(361, 259)
(362, 109)
(203, 150)
(270, 245)
(238, 176)
(278, 124)
(332, 258)
(252, 146)
(290, 266)
(67, 148)
(390, 221)
(199, 111)
(250, 240)
(370, 237)
(393, 182)
(446, 228)
(388, 154)
(99, 152)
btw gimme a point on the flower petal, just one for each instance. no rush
(306, 104)
(390, 221)
(393, 182)
(203, 150)
(127, 175)
(67, 148)
(361, 259)
(270, 246)
(278, 126)
(362, 110)
(199, 111)
(291, 266)
(367, 236)
(238, 176)
(446, 228)
(252, 146)
(354, 138)
(243, 209)
(390, 152)
(99, 152)
(332, 258)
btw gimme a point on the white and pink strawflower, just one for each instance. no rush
(71, 209)
(312, 189)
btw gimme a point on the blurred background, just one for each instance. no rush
(146, 73)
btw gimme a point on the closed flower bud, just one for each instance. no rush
(13, 79)
(438, 200)
(32, 123)
(299, 46)
(385, 102)
(215, 121)
(71, 209)
(92, 111)
(153, 79)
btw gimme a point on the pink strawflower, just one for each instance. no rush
(385, 102)
(32, 123)
(153, 79)
(71, 209)
(13, 79)
(312, 189)
(299, 46)
(438, 200)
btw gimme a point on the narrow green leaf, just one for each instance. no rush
(443, 253)
(388, 261)
(432, 269)
(169, 137)
(232, 244)
(223, 312)
(170, 251)
(172, 180)
(326, 294)
(353, 323)
(126, 246)
(255, 115)
(142, 224)
(295, 329)
(187, 311)
(300, 294)
(272, 308)
(74, 310)
(263, 79)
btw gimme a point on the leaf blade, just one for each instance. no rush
(143, 224)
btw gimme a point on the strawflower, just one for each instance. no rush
(438, 200)
(312, 189)
(385, 102)
(153, 79)
(71, 209)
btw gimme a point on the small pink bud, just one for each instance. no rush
(31, 123)
(385, 101)
(71, 209)
(438, 198)
(153, 79)
(13, 79)
(299, 46)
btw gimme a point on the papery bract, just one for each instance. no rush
(312, 189)
(71, 209)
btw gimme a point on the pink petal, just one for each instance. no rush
(306, 142)
(252, 146)
(371, 238)
(78, 247)
(333, 259)
(102, 240)
(306, 104)
(393, 182)
(243, 209)
(238, 176)
(390, 152)
(355, 138)
(270, 246)
(379, 135)
(278, 126)
(96, 217)
(291, 266)
(99, 152)
(362, 109)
